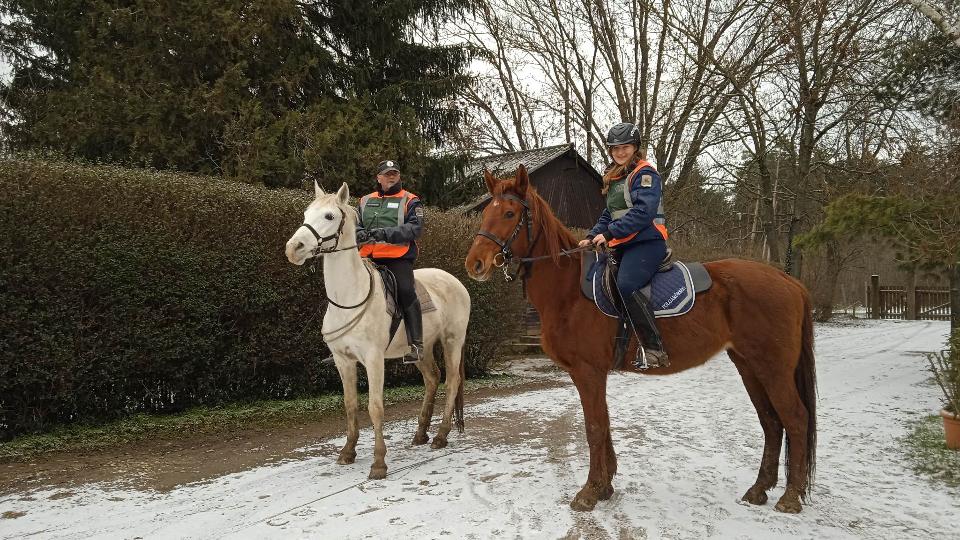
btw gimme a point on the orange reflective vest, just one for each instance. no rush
(380, 211)
(619, 207)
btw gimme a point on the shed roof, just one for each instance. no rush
(501, 165)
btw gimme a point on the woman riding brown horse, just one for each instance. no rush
(755, 312)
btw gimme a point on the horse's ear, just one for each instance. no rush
(521, 182)
(317, 190)
(343, 194)
(490, 180)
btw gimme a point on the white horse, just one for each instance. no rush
(356, 325)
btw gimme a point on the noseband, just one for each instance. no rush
(505, 255)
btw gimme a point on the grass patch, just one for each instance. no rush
(928, 453)
(205, 420)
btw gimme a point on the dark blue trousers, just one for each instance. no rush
(638, 263)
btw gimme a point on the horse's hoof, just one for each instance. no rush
(377, 473)
(755, 496)
(788, 504)
(439, 442)
(346, 458)
(420, 438)
(606, 493)
(583, 502)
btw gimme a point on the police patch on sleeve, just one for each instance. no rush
(419, 212)
(646, 181)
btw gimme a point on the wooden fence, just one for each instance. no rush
(894, 302)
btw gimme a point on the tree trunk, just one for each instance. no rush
(910, 290)
(955, 297)
(827, 286)
(875, 296)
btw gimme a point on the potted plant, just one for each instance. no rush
(945, 366)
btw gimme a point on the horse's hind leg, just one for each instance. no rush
(793, 414)
(348, 374)
(778, 378)
(772, 432)
(453, 356)
(378, 470)
(431, 379)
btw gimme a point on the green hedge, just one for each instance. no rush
(127, 290)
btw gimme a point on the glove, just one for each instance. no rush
(378, 235)
(363, 236)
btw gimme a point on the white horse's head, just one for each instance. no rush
(329, 224)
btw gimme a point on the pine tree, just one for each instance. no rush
(926, 78)
(262, 91)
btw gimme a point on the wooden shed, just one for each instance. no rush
(562, 177)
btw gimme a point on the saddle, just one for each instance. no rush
(672, 291)
(390, 293)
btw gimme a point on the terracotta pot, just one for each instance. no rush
(951, 429)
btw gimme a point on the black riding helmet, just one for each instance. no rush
(623, 133)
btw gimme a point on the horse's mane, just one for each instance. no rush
(555, 234)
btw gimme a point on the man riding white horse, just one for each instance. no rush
(391, 220)
(357, 321)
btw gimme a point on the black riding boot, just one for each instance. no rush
(413, 322)
(650, 352)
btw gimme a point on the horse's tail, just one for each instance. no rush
(458, 403)
(806, 380)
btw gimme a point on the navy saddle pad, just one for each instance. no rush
(672, 290)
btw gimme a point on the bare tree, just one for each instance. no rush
(598, 62)
(939, 18)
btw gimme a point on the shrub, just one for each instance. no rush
(126, 290)
(945, 366)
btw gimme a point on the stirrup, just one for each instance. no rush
(328, 361)
(649, 359)
(414, 355)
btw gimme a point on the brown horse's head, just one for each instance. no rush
(503, 225)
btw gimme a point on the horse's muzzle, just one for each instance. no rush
(296, 252)
(477, 269)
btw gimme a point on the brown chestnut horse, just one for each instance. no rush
(755, 312)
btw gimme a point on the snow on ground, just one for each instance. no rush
(689, 446)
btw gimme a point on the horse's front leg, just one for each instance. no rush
(378, 470)
(348, 375)
(591, 383)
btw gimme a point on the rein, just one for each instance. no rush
(365, 299)
(342, 331)
(563, 253)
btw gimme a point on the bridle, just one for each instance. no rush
(505, 257)
(335, 237)
(319, 250)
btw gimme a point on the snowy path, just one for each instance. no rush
(688, 445)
